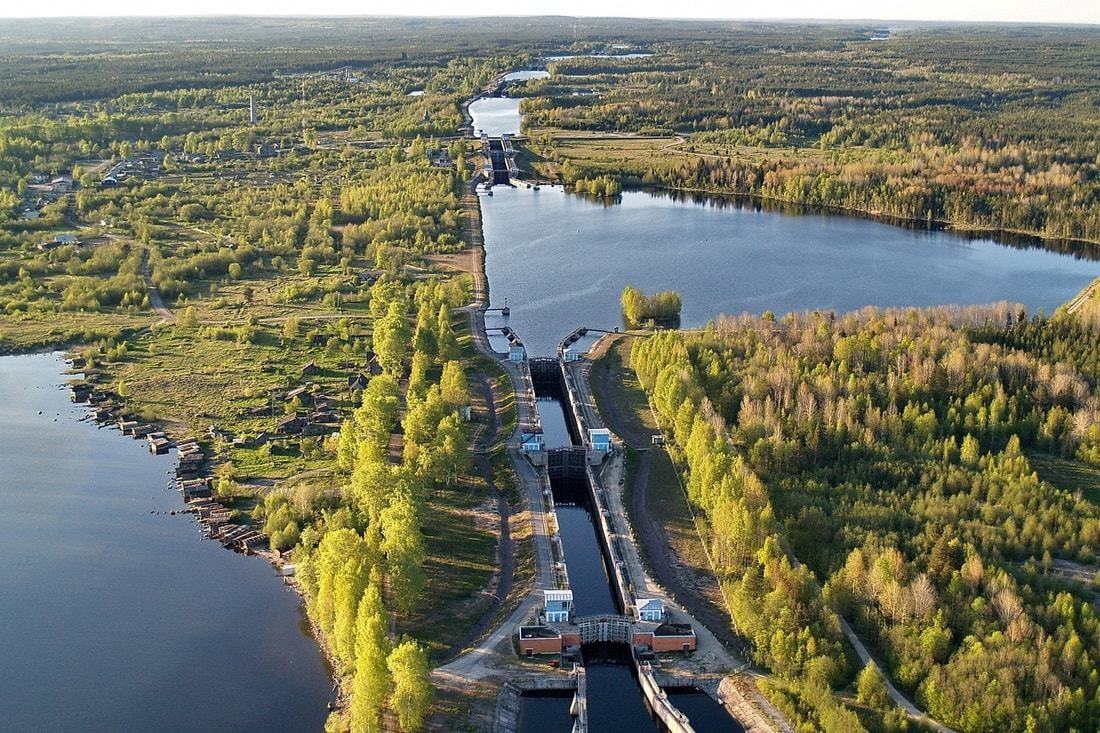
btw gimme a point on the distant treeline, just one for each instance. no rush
(982, 128)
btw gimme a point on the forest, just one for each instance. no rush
(973, 127)
(905, 472)
(877, 466)
(243, 274)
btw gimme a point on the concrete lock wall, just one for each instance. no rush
(666, 712)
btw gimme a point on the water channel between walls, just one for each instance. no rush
(560, 261)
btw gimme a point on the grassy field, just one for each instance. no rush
(1068, 474)
(620, 397)
(461, 540)
(634, 154)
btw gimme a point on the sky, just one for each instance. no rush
(1050, 11)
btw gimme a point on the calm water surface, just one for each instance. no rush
(525, 74)
(112, 618)
(555, 433)
(496, 116)
(704, 713)
(619, 706)
(548, 713)
(562, 260)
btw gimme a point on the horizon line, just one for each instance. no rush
(475, 16)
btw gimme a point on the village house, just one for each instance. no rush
(61, 184)
(290, 425)
(302, 394)
(59, 240)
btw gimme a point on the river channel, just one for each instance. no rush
(560, 261)
(116, 615)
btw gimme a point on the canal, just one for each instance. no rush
(116, 614)
(560, 261)
(615, 701)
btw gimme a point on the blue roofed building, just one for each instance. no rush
(650, 609)
(600, 438)
(557, 606)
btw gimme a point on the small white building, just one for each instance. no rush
(570, 355)
(557, 606)
(650, 609)
(600, 438)
(531, 442)
(516, 352)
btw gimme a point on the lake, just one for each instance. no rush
(116, 618)
(561, 261)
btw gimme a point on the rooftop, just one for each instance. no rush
(537, 632)
(668, 629)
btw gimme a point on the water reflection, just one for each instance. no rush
(115, 614)
(561, 261)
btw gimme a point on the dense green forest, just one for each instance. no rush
(891, 453)
(980, 127)
(207, 267)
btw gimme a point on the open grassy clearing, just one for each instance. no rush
(1067, 473)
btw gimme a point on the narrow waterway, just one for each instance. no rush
(115, 614)
(705, 714)
(545, 712)
(615, 701)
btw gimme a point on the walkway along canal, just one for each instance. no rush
(600, 620)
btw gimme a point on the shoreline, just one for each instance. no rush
(73, 376)
(998, 234)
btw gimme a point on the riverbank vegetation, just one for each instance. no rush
(639, 308)
(600, 186)
(277, 289)
(979, 128)
(876, 466)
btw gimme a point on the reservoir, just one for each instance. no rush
(118, 618)
(561, 261)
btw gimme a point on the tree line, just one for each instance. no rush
(889, 451)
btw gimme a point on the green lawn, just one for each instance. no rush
(1068, 474)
